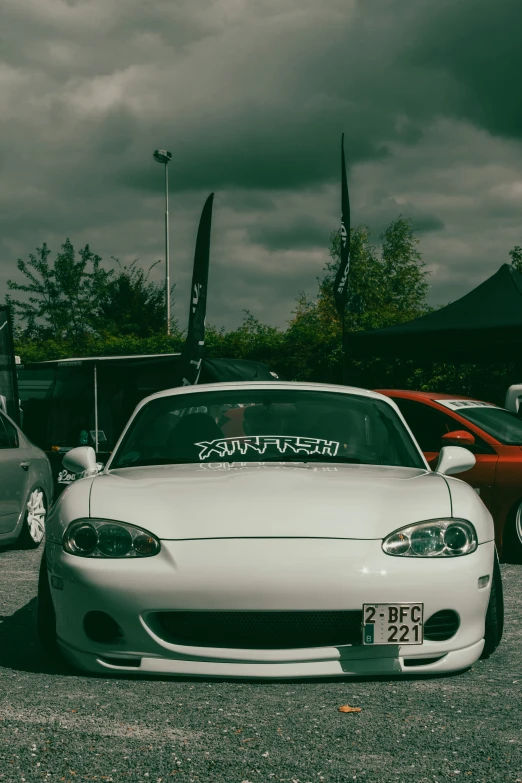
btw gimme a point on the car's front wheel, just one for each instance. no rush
(45, 614)
(33, 528)
(495, 613)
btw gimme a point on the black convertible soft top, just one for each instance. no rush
(66, 402)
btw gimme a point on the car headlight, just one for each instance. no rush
(104, 538)
(435, 538)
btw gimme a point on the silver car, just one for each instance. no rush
(26, 487)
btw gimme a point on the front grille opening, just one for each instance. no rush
(421, 661)
(441, 626)
(133, 663)
(102, 628)
(260, 630)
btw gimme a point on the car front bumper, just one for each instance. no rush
(264, 575)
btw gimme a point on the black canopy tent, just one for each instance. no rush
(484, 325)
(87, 401)
(68, 402)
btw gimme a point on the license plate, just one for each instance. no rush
(393, 623)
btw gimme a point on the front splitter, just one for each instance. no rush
(452, 661)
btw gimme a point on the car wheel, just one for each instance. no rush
(33, 528)
(45, 614)
(495, 613)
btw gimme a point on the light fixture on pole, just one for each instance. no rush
(164, 156)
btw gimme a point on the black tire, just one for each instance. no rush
(26, 540)
(495, 613)
(45, 614)
(512, 538)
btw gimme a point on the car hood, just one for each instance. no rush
(284, 500)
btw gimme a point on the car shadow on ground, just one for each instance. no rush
(20, 650)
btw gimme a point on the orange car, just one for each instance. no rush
(493, 434)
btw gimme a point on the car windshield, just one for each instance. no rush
(258, 425)
(501, 424)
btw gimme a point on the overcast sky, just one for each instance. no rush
(251, 97)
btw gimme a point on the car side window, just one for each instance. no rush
(8, 434)
(427, 424)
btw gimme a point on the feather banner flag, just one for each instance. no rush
(8, 378)
(192, 353)
(341, 278)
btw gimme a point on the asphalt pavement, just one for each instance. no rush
(58, 725)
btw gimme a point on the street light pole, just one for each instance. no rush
(167, 266)
(164, 156)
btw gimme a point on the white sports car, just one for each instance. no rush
(270, 529)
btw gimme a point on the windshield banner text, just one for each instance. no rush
(293, 444)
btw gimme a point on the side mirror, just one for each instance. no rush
(458, 438)
(514, 398)
(454, 459)
(79, 460)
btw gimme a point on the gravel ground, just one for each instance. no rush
(56, 725)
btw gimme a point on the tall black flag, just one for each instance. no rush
(192, 353)
(341, 278)
(8, 379)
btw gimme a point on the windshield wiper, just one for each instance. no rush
(145, 463)
(329, 458)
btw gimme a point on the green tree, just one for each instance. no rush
(62, 296)
(74, 301)
(252, 340)
(385, 287)
(130, 304)
(516, 258)
(404, 272)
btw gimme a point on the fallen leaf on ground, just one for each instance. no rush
(347, 708)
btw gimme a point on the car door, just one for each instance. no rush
(13, 475)
(429, 424)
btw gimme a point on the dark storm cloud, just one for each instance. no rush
(427, 223)
(252, 99)
(282, 234)
(478, 43)
(381, 207)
